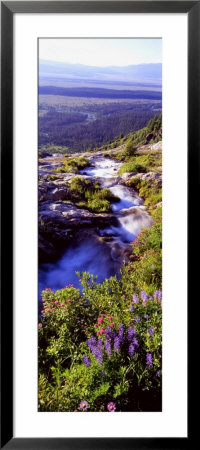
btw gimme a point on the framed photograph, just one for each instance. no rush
(100, 140)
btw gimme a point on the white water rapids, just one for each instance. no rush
(101, 254)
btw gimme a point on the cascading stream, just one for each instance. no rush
(103, 253)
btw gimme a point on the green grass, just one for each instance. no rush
(73, 165)
(86, 194)
(152, 193)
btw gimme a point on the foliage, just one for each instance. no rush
(73, 165)
(88, 195)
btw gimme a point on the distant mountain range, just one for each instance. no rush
(142, 73)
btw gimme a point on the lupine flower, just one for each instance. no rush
(131, 350)
(91, 342)
(137, 319)
(151, 331)
(135, 342)
(109, 333)
(121, 330)
(108, 348)
(84, 405)
(158, 295)
(99, 343)
(111, 407)
(131, 309)
(40, 325)
(86, 361)
(117, 343)
(144, 296)
(131, 333)
(135, 298)
(149, 360)
(98, 354)
(146, 316)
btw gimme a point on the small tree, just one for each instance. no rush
(129, 149)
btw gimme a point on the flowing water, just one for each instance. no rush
(103, 253)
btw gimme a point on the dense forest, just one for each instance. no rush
(80, 130)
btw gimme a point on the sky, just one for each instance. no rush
(102, 52)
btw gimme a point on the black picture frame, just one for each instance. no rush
(8, 9)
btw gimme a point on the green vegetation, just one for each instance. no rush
(142, 163)
(138, 138)
(151, 192)
(103, 346)
(86, 194)
(73, 165)
(49, 178)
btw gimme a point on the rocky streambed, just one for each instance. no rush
(74, 239)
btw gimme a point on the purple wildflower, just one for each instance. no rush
(109, 333)
(131, 333)
(135, 298)
(117, 342)
(158, 373)
(158, 295)
(108, 348)
(111, 407)
(135, 342)
(121, 330)
(151, 331)
(86, 361)
(100, 344)
(131, 350)
(144, 296)
(84, 405)
(149, 360)
(91, 342)
(98, 354)
(131, 309)
(146, 316)
(137, 319)
(121, 333)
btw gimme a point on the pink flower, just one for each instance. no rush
(47, 289)
(112, 325)
(100, 320)
(52, 309)
(95, 325)
(102, 330)
(110, 318)
(98, 332)
(56, 303)
(62, 304)
(40, 325)
(42, 312)
(69, 301)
